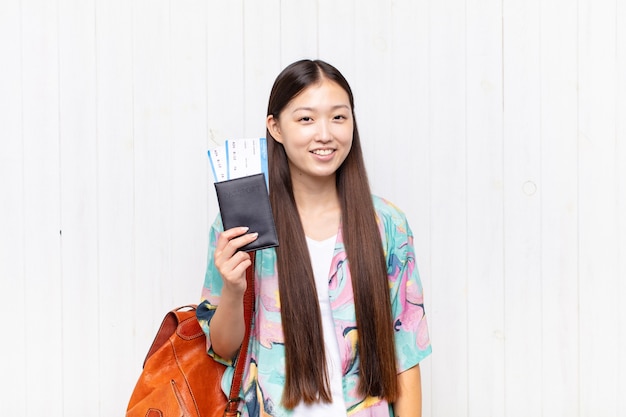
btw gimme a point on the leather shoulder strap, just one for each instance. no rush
(168, 327)
(242, 356)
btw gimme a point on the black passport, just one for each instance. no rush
(245, 202)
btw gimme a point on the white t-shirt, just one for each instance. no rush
(321, 253)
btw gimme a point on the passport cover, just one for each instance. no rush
(245, 201)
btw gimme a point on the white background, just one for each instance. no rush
(499, 127)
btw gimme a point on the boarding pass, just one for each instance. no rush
(239, 158)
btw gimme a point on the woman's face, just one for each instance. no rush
(315, 129)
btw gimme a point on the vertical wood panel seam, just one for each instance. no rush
(578, 260)
(25, 298)
(134, 173)
(97, 195)
(317, 28)
(169, 110)
(60, 202)
(430, 182)
(617, 183)
(467, 244)
(503, 176)
(170, 214)
(541, 206)
(620, 331)
(243, 53)
(206, 97)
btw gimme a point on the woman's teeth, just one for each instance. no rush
(323, 152)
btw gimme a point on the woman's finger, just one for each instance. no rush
(227, 235)
(230, 262)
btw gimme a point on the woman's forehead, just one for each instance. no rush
(326, 94)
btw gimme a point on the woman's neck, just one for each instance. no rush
(318, 207)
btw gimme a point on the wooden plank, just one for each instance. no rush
(79, 196)
(559, 209)
(372, 27)
(448, 200)
(42, 268)
(485, 221)
(262, 61)
(598, 236)
(153, 143)
(409, 178)
(298, 36)
(336, 35)
(620, 143)
(407, 138)
(12, 255)
(224, 76)
(122, 347)
(225, 100)
(189, 159)
(522, 208)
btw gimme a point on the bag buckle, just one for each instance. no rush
(233, 413)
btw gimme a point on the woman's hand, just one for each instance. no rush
(227, 326)
(232, 263)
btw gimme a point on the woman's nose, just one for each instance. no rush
(324, 132)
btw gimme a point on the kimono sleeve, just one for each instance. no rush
(211, 291)
(407, 298)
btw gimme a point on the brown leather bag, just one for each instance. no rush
(179, 378)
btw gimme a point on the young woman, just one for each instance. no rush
(339, 326)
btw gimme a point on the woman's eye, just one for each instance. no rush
(305, 119)
(340, 117)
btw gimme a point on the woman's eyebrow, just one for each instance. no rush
(335, 107)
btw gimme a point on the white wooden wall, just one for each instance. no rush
(499, 126)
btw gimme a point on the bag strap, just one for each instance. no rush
(248, 307)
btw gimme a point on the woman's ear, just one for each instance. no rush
(272, 127)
